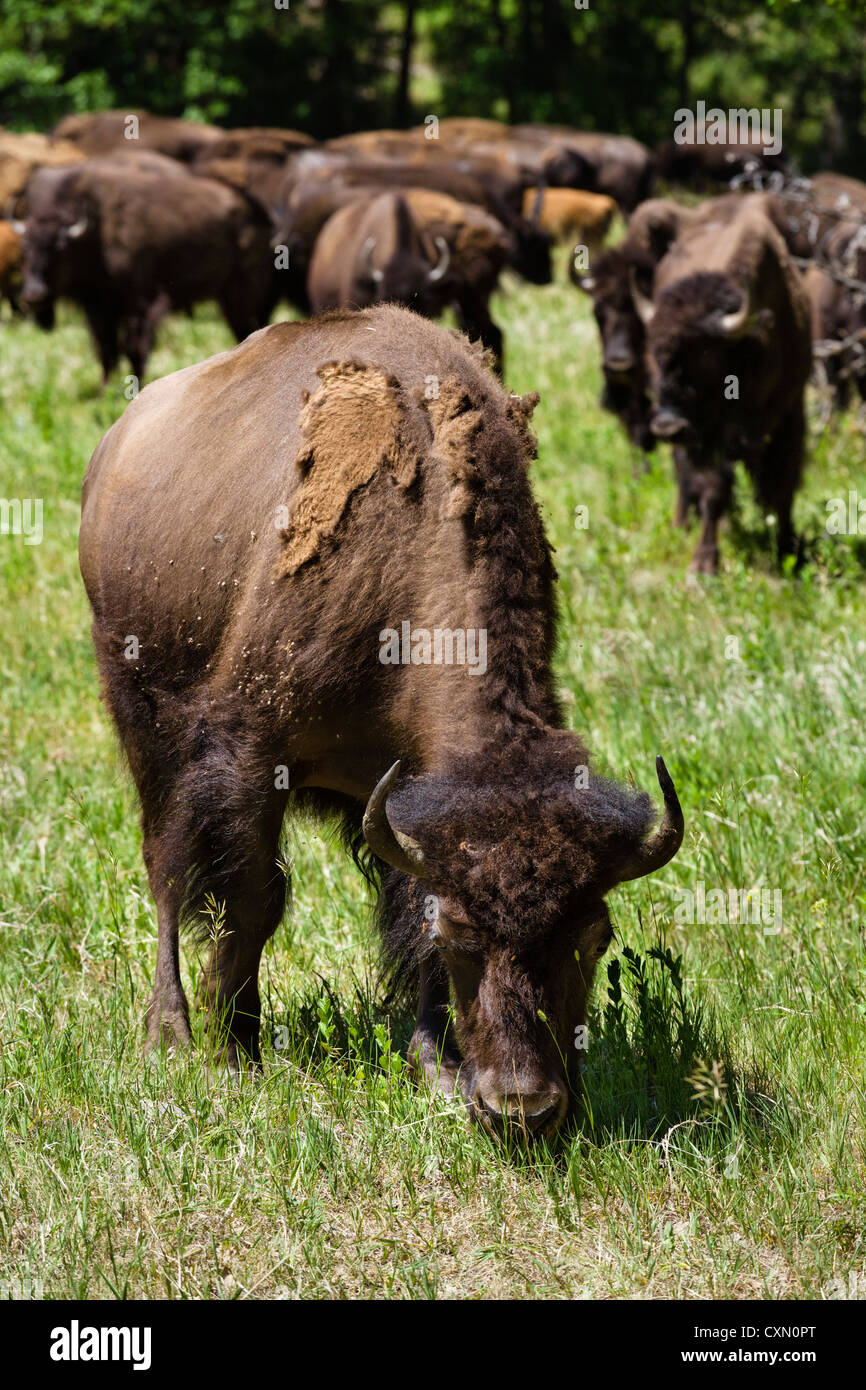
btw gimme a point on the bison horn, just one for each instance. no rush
(734, 325)
(644, 306)
(77, 229)
(367, 261)
(389, 844)
(444, 260)
(655, 852)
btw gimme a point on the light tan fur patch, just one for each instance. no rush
(356, 422)
(457, 421)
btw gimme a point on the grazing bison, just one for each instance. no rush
(837, 345)
(127, 245)
(254, 160)
(267, 525)
(706, 166)
(729, 351)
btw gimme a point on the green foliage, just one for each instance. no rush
(328, 66)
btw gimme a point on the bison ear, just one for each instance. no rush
(524, 406)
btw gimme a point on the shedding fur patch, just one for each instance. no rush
(457, 423)
(353, 425)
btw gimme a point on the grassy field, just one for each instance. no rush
(721, 1150)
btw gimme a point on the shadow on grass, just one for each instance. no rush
(655, 1058)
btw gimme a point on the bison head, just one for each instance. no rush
(622, 340)
(403, 267)
(56, 234)
(503, 870)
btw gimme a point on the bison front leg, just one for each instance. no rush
(473, 315)
(688, 495)
(167, 1018)
(250, 907)
(714, 486)
(139, 333)
(102, 321)
(433, 1055)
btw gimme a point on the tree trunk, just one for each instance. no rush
(402, 105)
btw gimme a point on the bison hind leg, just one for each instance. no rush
(777, 476)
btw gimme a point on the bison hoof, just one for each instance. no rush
(705, 562)
(169, 1030)
(434, 1063)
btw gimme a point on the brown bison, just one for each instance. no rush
(479, 185)
(616, 165)
(417, 248)
(103, 132)
(729, 353)
(20, 157)
(571, 215)
(373, 250)
(258, 531)
(651, 230)
(127, 245)
(254, 160)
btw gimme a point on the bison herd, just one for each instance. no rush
(232, 540)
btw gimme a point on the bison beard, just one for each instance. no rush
(256, 520)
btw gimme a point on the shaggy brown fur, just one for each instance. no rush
(246, 665)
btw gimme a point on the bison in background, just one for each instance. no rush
(571, 215)
(416, 248)
(20, 158)
(103, 132)
(260, 521)
(128, 245)
(729, 352)
(651, 230)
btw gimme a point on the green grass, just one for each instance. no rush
(721, 1152)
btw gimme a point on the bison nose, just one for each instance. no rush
(534, 1112)
(35, 292)
(667, 424)
(619, 362)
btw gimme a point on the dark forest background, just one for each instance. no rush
(329, 66)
